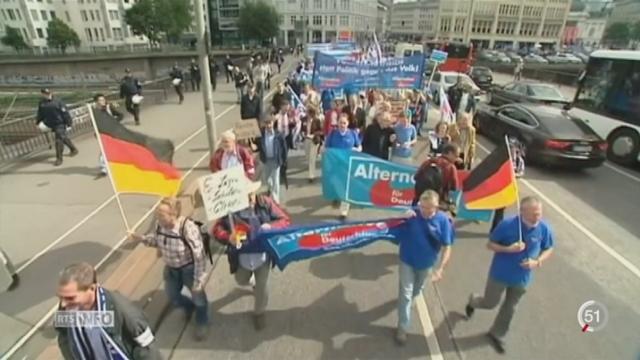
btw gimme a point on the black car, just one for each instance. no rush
(524, 91)
(482, 76)
(548, 134)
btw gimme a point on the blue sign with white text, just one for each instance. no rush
(438, 56)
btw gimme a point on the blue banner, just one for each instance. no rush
(304, 242)
(366, 180)
(394, 73)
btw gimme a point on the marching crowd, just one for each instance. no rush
(300, 117)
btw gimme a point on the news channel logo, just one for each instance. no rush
(67, 319)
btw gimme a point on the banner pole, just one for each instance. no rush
(506, 140)
(106, 160)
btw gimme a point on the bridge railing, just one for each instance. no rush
(21, 137)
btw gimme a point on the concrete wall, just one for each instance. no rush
(145, 66)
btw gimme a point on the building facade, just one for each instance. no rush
(415, 21)
(325, 20)
(584, 29)
(505, 23)
(99, 23)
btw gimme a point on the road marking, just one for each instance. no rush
(105, 203)
(622, 172)
(427, 328)
(51, 311)
(609, 250)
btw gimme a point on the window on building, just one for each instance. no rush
(18, 14)
(292, 20)
(98, 15)
(26, 34)
(317, 4)
(43, 14)
(317, 20)
(91, 14)
(40, 33)
(53, 14)
(344, 4)
(304, 4)
(87, 32)
(332, 20)
(83, 15)
(95, 33)
(344, 20)
(66, 14)
(102, 34)
(11, 15)
(34, 15)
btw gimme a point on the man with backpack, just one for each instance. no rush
(183, 249)
(439, 174)
(130, 87)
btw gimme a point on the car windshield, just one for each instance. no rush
(545, 91)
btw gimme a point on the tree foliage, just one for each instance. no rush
(61, 36)
(13, 38)
(158, 18)
(635, 31)
(619, 33)
(258, 20)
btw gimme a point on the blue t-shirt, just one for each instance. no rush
(327, 100)
(416, 250)
(505, 267)
(404, 134)
(348, 140)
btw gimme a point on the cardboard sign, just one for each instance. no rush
(246, 129)
(224, 192)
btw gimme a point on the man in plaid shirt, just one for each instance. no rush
(180, 243)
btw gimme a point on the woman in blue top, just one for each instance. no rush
(428, 233)
(343, 138)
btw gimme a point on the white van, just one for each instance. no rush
(407, 49)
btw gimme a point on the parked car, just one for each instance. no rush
(502, 58)
(449, 78)
(513, 56)
(487, 55)
(583, 57)
(482, 76)
(525, 91)
(563, 58)
(537, 59)
(548, 135)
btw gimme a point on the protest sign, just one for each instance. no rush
(246, 129)
(224, 192)
(394, 73)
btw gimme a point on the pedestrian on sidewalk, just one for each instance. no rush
(517, 70)
(273, 155)
(53, 113)
(314, 134)
(348, 139)
(128, 336)
(282, 94)
(429, 232)
(247, 259)
(250, 105)
(241, 80)
(180, 243)
(406, 138)
(110, 110)
(230, 154)
(195, 75)
(131, 91)
(214, 69)
(379, 137)
(228, 67)
(177, 79)
(520, 245)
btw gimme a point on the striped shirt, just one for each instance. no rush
(175, 252)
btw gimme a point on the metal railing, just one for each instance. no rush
(21, 137)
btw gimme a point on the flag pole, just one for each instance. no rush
(106, 160)
(506, 140)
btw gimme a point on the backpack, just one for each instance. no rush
(206, 238)
(429, 177)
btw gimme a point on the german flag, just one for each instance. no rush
(492, 184)
(137, 163)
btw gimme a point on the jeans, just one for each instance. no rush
(260, 291)
(174, 280)
(411, 285)
(239, 92)
(492, 295)
(271, 177)
(312, 157)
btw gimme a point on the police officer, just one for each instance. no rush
(129, 87)
(177, 79)
(54, 114)
(194, 71)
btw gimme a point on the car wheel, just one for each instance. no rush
(624, 146)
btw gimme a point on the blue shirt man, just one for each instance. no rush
(343, 137)
(427, 232)
(521, 244)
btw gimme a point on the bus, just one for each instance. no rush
(608, 100)
(459, 55)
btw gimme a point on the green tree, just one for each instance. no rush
(13, 38)
(618, 33)
(158, 18)
(635, 31)
(258, 20)
(61, 36)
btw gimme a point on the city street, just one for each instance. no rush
(341, 306)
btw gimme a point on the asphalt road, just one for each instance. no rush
(343, 306)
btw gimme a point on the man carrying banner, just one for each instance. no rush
(428, 233)
(520, 243)
(246, 254)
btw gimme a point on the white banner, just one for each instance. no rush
(224, 192)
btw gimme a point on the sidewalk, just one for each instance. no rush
(71, 214)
